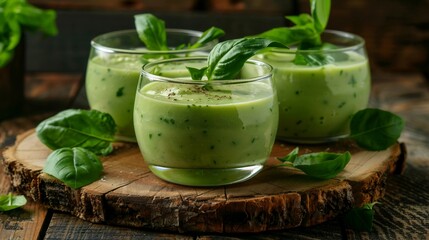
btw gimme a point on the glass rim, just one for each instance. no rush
(204, 82)
(345, 35)
(192, 33)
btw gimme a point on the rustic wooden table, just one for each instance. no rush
(403, 214)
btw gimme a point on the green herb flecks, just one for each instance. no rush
(323, 165)
(76, 167)
(18, 16)
(9, 202)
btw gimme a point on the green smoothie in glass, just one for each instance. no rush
(317, 102)
(114, 67)
(205, 134)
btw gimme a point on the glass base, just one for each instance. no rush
(205, 177)
(309, 140)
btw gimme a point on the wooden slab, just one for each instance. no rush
(277, 198)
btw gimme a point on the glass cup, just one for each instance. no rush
(320, 90)
(114, 67)
(205, 133)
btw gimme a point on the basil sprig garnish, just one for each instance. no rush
(76, 167)
(375, 129)
(323, 165)
(90, 129)
(9, 202)
(228, 57)
(305, 34)
(152, 33)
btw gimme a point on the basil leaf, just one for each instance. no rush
(318, 59)
(322, 165)
(302, 19)
(320, 10)
(197, 74)
(375, 129)
(9, 202)
(151, 31)
(227, 58)
(17, 16)
(291, 156)
(76, 167)
(90, 129)
(303, 31)
(35, 19)
(361, 218)
(207, 36)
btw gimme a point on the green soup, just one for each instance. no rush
(316, 103)
(185, 126)
(111, 85)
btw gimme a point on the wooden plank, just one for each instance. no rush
(22, 223)
(128, 194)
(408, 96)
(64, 226)
(404, 210)
(26, 222)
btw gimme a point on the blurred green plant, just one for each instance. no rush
(18, 16)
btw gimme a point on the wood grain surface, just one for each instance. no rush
(129, 194)
(402, 214)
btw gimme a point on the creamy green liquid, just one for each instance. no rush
(316, 103)
(111, 85)
(185, 126)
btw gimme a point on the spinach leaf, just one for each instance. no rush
(17, 16)
(361, 218)
(375, 129)
(9, 202)
(208, 36)
(90, 129)
(227, 58)
(76, 167)
(151, 31)
(323, 165)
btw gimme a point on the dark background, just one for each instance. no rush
(396, 31)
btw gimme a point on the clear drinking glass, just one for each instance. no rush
(205, 133)
(320, 90)
(114, 67)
